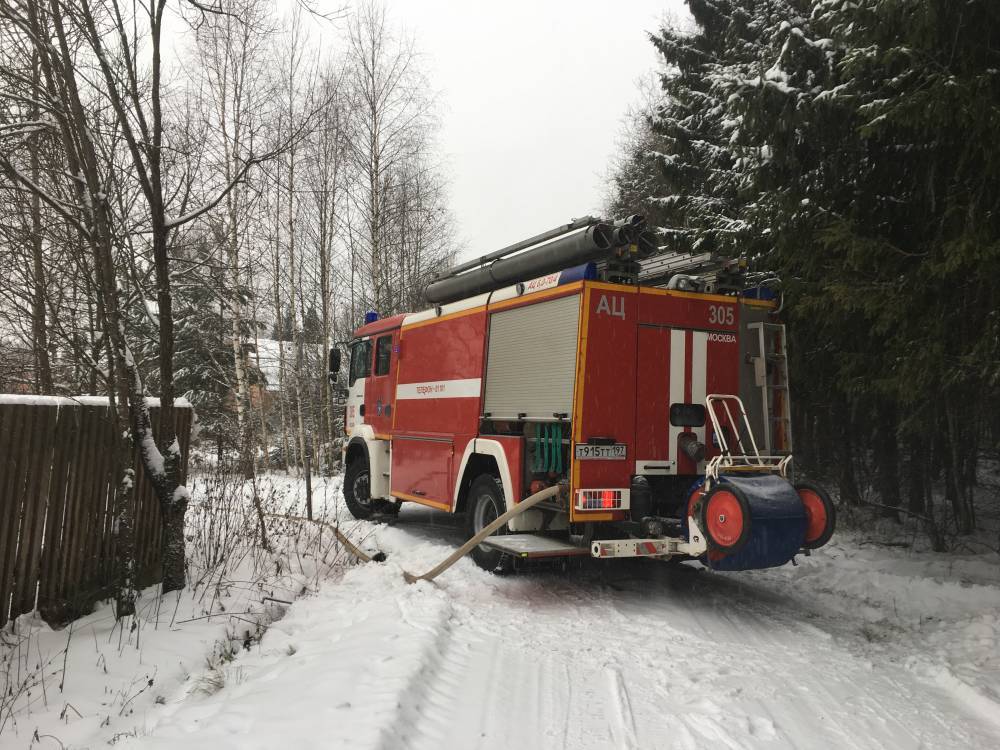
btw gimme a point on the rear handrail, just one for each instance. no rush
(744, 461)
(725, 398)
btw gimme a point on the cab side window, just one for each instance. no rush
(383, 355)
(361, 360)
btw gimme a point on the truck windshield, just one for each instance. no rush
(361, 360)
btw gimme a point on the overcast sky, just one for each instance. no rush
(532, 100)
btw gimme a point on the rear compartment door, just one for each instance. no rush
(531, 360)
(652, 438)
(672, 370)
(607, 403)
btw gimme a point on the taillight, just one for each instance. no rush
(603, 499)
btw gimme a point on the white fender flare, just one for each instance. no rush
(530, 520)
(379, 459)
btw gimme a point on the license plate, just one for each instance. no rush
(585, 451)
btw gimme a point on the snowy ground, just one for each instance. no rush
(96, 680)
(858, 647)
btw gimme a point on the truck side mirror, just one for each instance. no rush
(334, 365)
(341, 396)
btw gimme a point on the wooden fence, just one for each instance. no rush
(56, 514)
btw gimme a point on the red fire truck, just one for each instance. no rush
(656, 401)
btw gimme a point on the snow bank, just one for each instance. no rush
(895, 585)
(95, 681)
(322, 676)
(937, 614)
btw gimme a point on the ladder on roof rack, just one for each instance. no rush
(771, 376)
(721, 274)
(658, 269)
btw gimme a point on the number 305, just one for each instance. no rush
(720, 315)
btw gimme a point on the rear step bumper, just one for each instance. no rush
(528, 546)
(534, 546)
(658, 547)
(630, 548)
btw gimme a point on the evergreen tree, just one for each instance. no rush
(850, 145)
(921, 240)
(203, 354)
(288, 325)
(312, 327)
(692, 165)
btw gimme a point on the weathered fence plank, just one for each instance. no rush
(55, 515)
(12, 421)
(87, 446)
(33, 511)
(15, 502)
(57, 485)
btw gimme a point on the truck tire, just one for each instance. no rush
(357, 492)
(486, 504)
(725, 519)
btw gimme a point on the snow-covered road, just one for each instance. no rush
(610, 655)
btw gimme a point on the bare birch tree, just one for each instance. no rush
(113, 52)
(391, 113)
(233, 49)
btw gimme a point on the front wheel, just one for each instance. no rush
(486, 504)
(357, 492)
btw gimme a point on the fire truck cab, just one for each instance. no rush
(661, 413)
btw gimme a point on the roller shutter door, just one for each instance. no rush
(532, 360)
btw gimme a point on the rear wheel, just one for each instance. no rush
(726, 519)
(486, 504)
(821, 516)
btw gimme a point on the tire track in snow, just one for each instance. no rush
(481, 692)
(428, 691)
(625, 736)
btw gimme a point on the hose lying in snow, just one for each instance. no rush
(526, 504)
(341, 537)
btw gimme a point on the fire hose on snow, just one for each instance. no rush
(341, 537)
(521, 507)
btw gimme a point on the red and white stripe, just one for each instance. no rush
(688, 378)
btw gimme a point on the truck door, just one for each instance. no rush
(380, 392)
(671, 382)
(361, 366)
(652, 434)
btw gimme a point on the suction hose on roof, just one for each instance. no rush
(580, 246)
